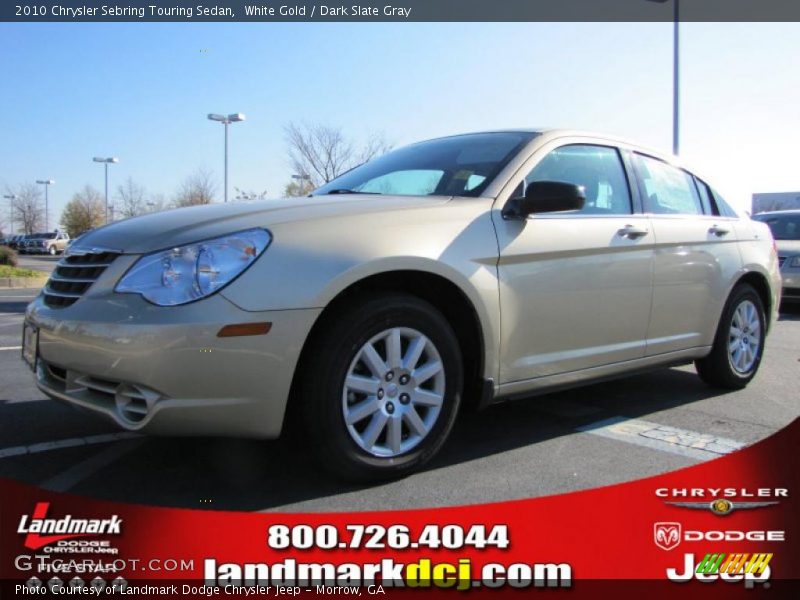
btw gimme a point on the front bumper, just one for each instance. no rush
(163, 370)
(791, 284)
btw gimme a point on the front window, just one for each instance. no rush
(597, 170)
(784, 227)
(462, 165)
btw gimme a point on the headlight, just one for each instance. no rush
(186, 273)
(794, 262)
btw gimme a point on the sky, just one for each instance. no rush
(141, 92)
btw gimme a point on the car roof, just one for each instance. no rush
(787, 211)
(554, 132)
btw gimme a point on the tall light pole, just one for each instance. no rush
(46, 183)
(11, 198)
(226, 120)
(106, 161)
(676, 96)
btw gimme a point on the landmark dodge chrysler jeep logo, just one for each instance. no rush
(62, 529)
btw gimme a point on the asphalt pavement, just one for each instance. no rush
(597, 435)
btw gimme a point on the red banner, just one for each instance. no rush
(727, 526)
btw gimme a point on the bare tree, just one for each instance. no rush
(198, 188)
(156, 203)
(27, 208)
(376, 145)
(323, 153)
(131, 199)
(85, 211)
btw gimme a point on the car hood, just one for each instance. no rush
(786, 247)
(165, 229)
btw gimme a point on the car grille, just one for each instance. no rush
(74, 275)
(781, 260)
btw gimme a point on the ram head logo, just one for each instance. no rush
(667, 536)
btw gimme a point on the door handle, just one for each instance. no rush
(632, 232)
(719, 231)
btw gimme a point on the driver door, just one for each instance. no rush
(576, 287)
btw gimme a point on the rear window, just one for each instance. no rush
(724, 208)
(667, 189)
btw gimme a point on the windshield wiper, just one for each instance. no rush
(346, 191)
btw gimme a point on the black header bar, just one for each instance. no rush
(266, 11)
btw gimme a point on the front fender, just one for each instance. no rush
(311, 262)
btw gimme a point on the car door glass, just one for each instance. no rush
(705, 198)
(597, 170)
(668, 190)
(724, 208)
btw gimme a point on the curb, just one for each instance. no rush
(22, 282)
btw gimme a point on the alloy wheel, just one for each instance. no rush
(393, 392)
(744, 337)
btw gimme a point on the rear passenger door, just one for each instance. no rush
(696, 255)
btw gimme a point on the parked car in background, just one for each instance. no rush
(15, 241)
(22, 243)
(371, 311)
(48, 243)
(785, 226)
(31, 243)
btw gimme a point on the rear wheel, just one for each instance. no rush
(739, 342)
(382, 392)
(53, 251)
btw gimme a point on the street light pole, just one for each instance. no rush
(106, 161)
(11, 198)
(226, 120)
(676, 95)
(46, 183)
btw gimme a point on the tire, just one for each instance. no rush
(734, 357)
(340, 354)
(52, 251)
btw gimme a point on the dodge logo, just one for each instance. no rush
(667, 535)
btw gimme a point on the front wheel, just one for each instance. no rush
(53, 251)
(739, 342)
(382, 393)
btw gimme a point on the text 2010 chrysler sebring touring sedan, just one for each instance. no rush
(452, 272)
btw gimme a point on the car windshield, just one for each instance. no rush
(462, 165)
(784, 227)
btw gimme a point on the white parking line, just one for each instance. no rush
(10, 348)
(67, 443)
(691, 444)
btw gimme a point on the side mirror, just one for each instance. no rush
(545, 197)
